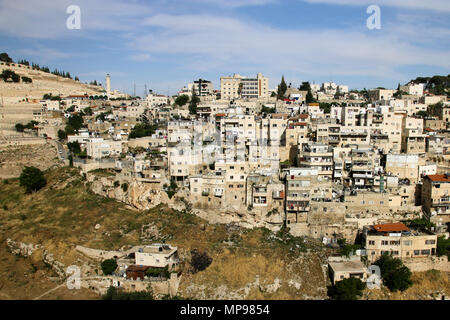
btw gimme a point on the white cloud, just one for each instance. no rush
(235, 3)
(140, 57)
(47, 19)
(209, 42)
(435, 5)
(44, 54)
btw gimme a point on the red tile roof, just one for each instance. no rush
(438, 177)
(391, 227)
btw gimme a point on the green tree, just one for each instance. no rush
(422, 114)
(443, 246)
(27, 79)
(241, 86)
(5, 58)
(32, 179)
(62, 135)
(142, 130)
(346, 289)
(325, 106)
(102, 116)
(88, 111)
(20, 127)
(71, 160)
(15, 77)
(199, 261)
(113, 294)
(69, 130)
(282, 88)
(74, 147)
(75, 121)
(305, 86)
(193, 104)
(108, 266)
(182, 100)
(396, 276)
(9, 74)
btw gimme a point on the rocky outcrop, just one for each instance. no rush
(27, 249)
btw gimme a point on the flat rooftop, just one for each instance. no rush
(347, 266)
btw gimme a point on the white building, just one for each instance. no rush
(98, 148)
(157, 256)
(237, 86)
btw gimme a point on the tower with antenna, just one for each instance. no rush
(145, 91)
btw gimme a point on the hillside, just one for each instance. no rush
(42, 83)
(247, 264)
(64, 213)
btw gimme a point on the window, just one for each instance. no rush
(430, 241)
(371, 242)
(407, 242)
(416, 252)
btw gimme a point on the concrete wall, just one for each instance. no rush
(424, 264)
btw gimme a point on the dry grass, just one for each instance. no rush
(425, 285)
(64, 214)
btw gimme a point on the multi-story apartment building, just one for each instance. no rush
(413, 89)
(304, 185)
(237, 86)
(404, 166)
(398, 240)
(381, 94)
(319, 157)
(413, 139)
(436, 198)
(98, 148)
(201, 87)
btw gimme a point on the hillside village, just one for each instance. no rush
(365, 170)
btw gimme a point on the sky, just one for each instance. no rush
(165, 44)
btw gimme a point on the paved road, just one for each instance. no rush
(62, 153)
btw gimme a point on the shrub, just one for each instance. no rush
(346, 289)
(27, 79)
(124, 187)
(114, 294)
(62, 135)
(396, 276)
(443, 246)
(32, 179)
(158, 272)
(182, 100)
(199, 261)
(108, 266)
(116, 184)
(20, 127)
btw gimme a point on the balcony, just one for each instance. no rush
(362, 175)
(278, 194)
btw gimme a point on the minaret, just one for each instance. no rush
(108, 84)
